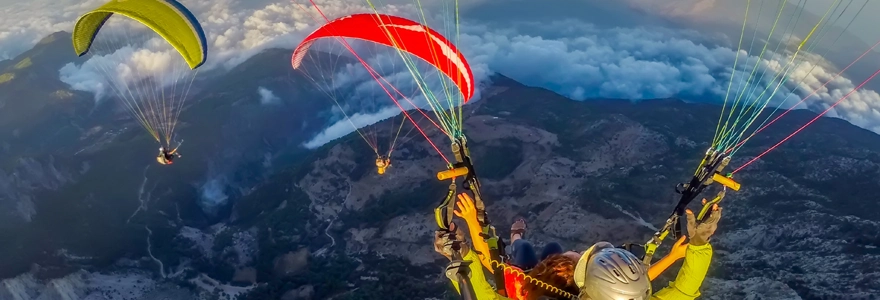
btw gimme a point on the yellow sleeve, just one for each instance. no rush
(687, 284)
(660, 266)
(482, 289)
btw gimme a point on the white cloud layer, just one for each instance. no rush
(640, 63)
(212, 194)
(676, 9)
(574, 58)
(267, 97)
(24, 23)
(345, 126)
(234, 34)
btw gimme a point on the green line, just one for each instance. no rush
(730, 133)
(811, 69)
(785, 76)
(441, 113)
(451, 123)
(787, 67)
(742, 78)
(725, 130)
(730, 84)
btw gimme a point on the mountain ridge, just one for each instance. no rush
(299, 224)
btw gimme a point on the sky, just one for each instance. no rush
(632, 49)
(863, 28)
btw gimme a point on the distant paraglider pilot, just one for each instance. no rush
(382, 163)
(166, 157)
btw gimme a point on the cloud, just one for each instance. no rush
(359, 100)
(645, 63)
(212, 195)
(572, 57)
(345, 126)
(679, 8)
(638, 63)
(267, 97)
(24, 23)
(630, 63)
(235, 30)
(131, 73)
(862, 107)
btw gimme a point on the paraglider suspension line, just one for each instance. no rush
(808, 123)
(375, 77)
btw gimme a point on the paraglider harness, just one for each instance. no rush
(457, 268)
(166, 156)
(383, 162)
(707, 173)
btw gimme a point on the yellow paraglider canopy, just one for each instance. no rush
(168, 18)
(154, 100)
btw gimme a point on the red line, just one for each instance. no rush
(804, 99)
(810, 122)
(404, 97)
(373, 74)
(370, 69)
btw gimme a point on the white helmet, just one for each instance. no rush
(607, 273)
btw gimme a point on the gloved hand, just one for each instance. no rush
(700, 233)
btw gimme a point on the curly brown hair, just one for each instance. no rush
(555, 270)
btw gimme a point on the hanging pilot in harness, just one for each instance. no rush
(382, 163)
(166, 157)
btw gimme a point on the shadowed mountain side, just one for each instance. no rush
(81, 192)
(580, 172)
(248, 210)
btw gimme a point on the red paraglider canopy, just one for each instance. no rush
(404, 34)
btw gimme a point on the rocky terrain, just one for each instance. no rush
(255, 216)
(602, 170)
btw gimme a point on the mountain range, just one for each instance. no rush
(249, 213)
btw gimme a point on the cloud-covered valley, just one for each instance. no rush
(573, 57)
